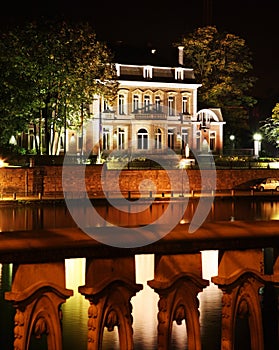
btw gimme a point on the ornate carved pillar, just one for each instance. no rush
(37, 292)
(275, 282)
(178, 280)
(110, 285)
(240, 277)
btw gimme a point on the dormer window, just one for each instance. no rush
(147, 72)
(179, 73)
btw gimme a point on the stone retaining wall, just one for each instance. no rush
(47, 180)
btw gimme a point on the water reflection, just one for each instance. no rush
(145, 302)
(36, 217)
(144, 312)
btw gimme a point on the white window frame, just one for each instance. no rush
(171, 132)
(122, 102)
(158, 139)
(147, 72)
(107, 137)
(171, 105)
(212, 138)
(179, 73)
(121, 136)
(142, 139)
(146, 106)
(136, 103)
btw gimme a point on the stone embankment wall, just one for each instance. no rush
(95, 180)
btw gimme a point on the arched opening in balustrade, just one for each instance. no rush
(111, 339)
(242, 337)
(38, 343)
(179, 336)
(247, 317)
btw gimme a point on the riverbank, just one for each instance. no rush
(158, 197)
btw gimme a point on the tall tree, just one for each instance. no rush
(223, 65)
(52, 72)
(270, 127)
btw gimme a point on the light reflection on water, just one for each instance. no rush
(144, 309)
(28, 218)
(145, 302)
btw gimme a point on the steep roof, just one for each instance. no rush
(132, 61)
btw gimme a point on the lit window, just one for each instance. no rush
(136, 103)
(171, 138)
(179, 74)
(106, 107)
(212, 140)
(171, 107)
(121, 138)
(121, 104)
(142, 139)
(106, 139)
(146, 103)
(185, 105)
(158, 139)
(158, 104)
(147, 72)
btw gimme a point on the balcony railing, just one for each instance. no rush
(150, 116)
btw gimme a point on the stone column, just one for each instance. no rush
(37, 292)
(178, 280)
(110, 285)
(241, 277)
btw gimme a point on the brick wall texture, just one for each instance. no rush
(95, 180)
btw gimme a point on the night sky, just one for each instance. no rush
(161, 24)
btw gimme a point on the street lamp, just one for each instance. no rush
(232, 138)
(257, 144)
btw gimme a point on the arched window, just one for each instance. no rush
(142, 139)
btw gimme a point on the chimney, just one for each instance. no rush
(180, 55)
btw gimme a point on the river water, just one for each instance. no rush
(145, 302)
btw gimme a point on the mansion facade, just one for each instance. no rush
(155, 111)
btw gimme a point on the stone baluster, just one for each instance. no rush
(110, 285)
(241, 278)
(178, 280)
(37, 292)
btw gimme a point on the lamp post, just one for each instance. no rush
(257, 144)
(232, 138)
(182, 166)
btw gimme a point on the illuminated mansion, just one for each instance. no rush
(155, 110)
